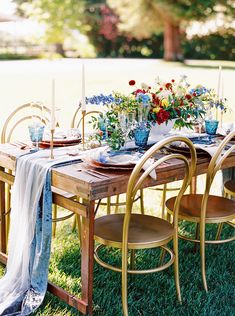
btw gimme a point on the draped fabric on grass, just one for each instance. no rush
(23, 287)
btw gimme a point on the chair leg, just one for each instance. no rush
(74, 225)
(132, 261)
(117, 201)
(142, 201)
(162, 257)
(202, 253)
(54, 216)
(124, 281)
(163, 200)
(196, 237)
(176, 268)
(108, 205)
(79, 225)
(219, 230)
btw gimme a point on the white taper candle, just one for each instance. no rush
(83, 89)
(219, 83)
(53, 120)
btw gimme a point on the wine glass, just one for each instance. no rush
(36, 131)
(126, 121)
(199, 121)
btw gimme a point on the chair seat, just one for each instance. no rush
(229, 187)
(144, 231)
(219, 209)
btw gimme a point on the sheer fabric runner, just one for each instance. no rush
(24, 285)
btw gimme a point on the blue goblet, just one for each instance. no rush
(141, 135)
(211, 128)
(36, 131)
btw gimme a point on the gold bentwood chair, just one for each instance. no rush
(204, 209)
(21, 116)
(229, 189)
(76, 123)
(131, 231)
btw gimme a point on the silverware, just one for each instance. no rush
(20, 145)
(94, 173)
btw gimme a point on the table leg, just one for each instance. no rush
(2, 216)
(87, 253)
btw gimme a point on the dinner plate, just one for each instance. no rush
(60, 142)
(124, 160)
(185, 150)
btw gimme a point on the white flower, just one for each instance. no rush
(164, 94)
(144, 86)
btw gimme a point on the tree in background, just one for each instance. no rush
(124, 27)
(60, 17)
(142, 18)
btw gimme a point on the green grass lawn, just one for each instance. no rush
(152, 294)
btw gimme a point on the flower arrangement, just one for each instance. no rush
(157, 104)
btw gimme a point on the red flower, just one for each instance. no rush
(149, 88)
(161, 89)
(178, 111)
(194, 94)
(173, 80)
(162, 116)
(188, 97)
(139, 91)
(168, 85)
(132, 82)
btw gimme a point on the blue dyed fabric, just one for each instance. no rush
(27, 302)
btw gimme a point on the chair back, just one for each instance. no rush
(137, 178)
(21, 115)
(79, 116)
(222, 153)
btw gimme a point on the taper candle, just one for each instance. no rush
(53, 120)
(83, 89)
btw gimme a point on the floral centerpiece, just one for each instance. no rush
(152, 105)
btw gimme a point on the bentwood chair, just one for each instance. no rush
(131, 232)
(76, 123)
(20, 118)
(205, 209)
(229, 189)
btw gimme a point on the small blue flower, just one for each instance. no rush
(144, 98)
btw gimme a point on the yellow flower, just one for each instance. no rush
(165, 102)
(156, 110)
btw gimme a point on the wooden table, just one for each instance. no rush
(89, 188)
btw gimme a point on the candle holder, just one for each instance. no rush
(83, 129)
(52, 144)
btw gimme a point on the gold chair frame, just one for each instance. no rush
(201, 221)
(135, 182)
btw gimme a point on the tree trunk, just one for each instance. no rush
(172, 47)
(60, 49)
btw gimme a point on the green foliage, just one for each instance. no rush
(218, 45)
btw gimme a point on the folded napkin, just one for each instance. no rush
(62, 134)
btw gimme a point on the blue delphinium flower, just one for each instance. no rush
(144, 98)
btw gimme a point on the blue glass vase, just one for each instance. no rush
(211, 126)
(141, 135)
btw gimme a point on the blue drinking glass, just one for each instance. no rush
(36, 133)
(211, 127)
(141, 135)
